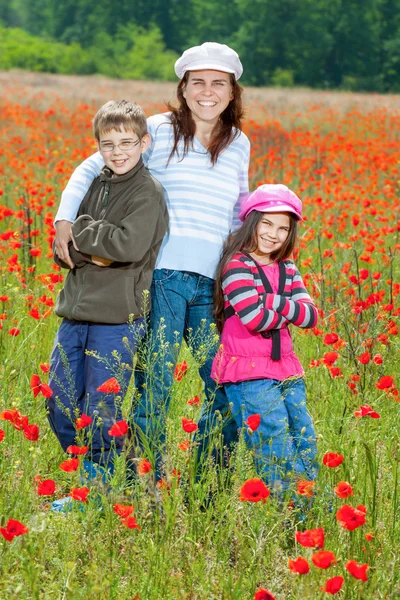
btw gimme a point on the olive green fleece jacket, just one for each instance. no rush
(123, 219)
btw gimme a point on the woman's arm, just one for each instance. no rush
(77, 186)
(243, 185)
(71, 198)
(239, 286)
(299, 308)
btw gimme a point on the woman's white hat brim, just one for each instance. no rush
(210, 55)
(209, 66)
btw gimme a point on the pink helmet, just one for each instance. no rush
(270, 198)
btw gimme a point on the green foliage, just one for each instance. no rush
(350, 44)
(133, 53)
(282, 78)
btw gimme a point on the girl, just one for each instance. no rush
(200, 156)
(259, 292)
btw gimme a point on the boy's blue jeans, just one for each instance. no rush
(182, 306)
(75, 375)
(284, 445)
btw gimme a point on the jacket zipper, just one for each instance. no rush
(104, 200)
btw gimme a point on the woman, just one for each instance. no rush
(200, 156)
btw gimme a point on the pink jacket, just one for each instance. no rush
(244, 352)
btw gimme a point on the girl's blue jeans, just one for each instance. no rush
(284, 445)
(182, 307)
(84, 356)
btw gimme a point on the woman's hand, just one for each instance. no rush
(63, 236)
(101, 262)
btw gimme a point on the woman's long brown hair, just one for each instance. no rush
(245, 239)
(225, 131)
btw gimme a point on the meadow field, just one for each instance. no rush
(207, 541)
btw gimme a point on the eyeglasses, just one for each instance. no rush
(108, 147)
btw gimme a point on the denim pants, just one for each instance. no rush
(182, 306)
(84, 356)
(284, 445)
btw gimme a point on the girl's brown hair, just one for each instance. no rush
(225, 131)
(245, 240)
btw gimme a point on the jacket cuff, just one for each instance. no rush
(79, 258)
(81, 223)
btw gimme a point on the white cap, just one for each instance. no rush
(209, 55)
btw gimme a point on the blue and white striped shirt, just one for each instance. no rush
(203, 200)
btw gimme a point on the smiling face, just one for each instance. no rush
(207, 95)
(272, 232)
(121, 150)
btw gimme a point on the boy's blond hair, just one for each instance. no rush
(116, 114)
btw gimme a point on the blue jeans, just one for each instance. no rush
(284, 445)
(84, 356)
(182, 307)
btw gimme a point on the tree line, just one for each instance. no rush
(348, 44)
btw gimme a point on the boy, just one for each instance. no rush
(118, 231)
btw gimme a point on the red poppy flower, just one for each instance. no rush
(254, 490)
(366, 411)
(385, 382)
(253, 422)
(119, 428)
(35, 385)
(17, 420)
(180, 370)
(343, 490)
(311, 538)
(333, 585)
(323, 559)
(2, 435)
(79, 450)
(47, 487)
(14, 331)
(299, 565)
(45, 367)
(383, 339)
(144, 466)
(13, 529)
(188, 425)
(6, 534)
(34, 313)
(378, 359)
(83, 421)
(304, 488)
(31, 432)
(330, 358)
(111, 386)
(314, 363)
(331, 459)
(369, 536)
(357, 571)
(184, 446)
(335, 372)
(350, 518)
(263, 594)
(80, 494)
(70, 465)
(130, 522)
(194, 401)
(163, 484)
(123, 510)
(38, 387)
(364, 358)
(330, 338)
